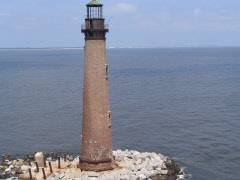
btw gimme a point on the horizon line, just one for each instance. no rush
(117, 47)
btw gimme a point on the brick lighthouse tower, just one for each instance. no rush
(96, 145)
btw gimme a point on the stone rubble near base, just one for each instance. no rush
(132, 165)
(39, 159)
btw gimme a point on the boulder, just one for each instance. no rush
(8, 170)
(70, 157)
(93, 174)
(4, 176)
(24, 176)
(92, 178)
(77, 175)
(67, 176)
(164, 172)
(25, 167)
(12, 178)
(61, 175)
(18, 162)
(142, 176)
(51, 178)
(139, 161)
(39, 159)
(68, 171)
(2, 167)
(75, 162)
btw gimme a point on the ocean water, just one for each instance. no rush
(181, 102)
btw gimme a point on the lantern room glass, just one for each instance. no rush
(94, 12)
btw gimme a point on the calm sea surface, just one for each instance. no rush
(181, 102)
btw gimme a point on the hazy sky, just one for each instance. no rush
(57, 23)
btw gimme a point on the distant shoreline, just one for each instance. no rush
(111, 47)
(39, 48)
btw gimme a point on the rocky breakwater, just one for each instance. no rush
(132, 165)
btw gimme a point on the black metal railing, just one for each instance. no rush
(94, 16)
(84, 27)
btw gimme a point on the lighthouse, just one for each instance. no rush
(96, 140)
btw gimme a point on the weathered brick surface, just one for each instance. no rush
(96, 127)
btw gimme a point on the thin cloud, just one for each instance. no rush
(197, 12)
(4, 14)
(124, 7)
(121, 8)
(211, 15)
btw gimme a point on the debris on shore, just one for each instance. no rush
(131, 165)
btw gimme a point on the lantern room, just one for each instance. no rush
(94, 27)
(94, 10)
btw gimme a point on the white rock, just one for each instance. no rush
(164, 172)
(142, 176)
(125, 177)
(154, 172)
(110, 177)
(18, 162)
(34, 169)
(124, 172)
(75, 162)
(77, 175)
(51, 178)
(93, 174)
(39, 159)
(61, 175)
(85, 178)
(67, 176)
(147, 159)
(17, 167)
(132, 167)
(159, 169)
(145, 172)
(8, 170)
(25, 167)
(133, 177)
(116, 176)
(139, 161)
(161, 156)
(68, 171)
(158, 159)
(92, 178)
(12, 178)
(24, 176)
(164, 166)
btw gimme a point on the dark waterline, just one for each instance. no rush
(181, 102)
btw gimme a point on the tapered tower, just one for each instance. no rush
(96, 145)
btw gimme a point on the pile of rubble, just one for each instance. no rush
(132, 165)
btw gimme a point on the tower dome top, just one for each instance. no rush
(94, 3)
